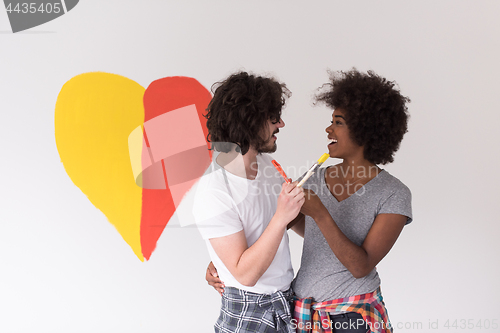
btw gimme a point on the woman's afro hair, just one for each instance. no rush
(375, 111)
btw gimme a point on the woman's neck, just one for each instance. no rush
(356, 169)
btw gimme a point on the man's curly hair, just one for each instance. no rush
(375, 111)
(240, 108)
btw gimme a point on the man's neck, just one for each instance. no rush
(250, 162)
(244, 166)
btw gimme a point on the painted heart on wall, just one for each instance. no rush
(133, 152)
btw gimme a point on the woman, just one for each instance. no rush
(354, 210)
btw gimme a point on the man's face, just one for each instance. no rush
(269, 135)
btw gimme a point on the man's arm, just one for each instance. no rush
(247, 264)
(212, 277)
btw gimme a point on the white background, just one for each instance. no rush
(64, 268)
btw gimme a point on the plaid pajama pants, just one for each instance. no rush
(247, 312)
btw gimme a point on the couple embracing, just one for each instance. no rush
(349, 214)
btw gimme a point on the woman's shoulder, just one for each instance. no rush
(391, 183)
(394, 196)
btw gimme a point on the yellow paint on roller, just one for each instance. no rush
(95, 114)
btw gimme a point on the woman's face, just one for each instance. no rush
(341, 144)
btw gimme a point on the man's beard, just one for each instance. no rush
(268, 147)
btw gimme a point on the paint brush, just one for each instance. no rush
(281, 171)
(313, 169)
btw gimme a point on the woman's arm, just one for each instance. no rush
(213, 280)
(298, 225)
(359, 260)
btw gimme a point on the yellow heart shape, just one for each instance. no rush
(95, 113)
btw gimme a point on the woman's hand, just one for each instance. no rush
(212, 278)
(312, 205)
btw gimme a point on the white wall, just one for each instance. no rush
(65, 269)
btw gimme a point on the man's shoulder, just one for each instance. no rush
(212, 196)
(212, 181)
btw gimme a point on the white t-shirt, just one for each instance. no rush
(225, 204)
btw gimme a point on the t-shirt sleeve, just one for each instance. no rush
(399, 202)
(216, 215)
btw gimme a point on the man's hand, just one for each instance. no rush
(212, 278)
(289, 202)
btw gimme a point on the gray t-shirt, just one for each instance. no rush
(321, 275)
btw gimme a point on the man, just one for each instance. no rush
(243, 209)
